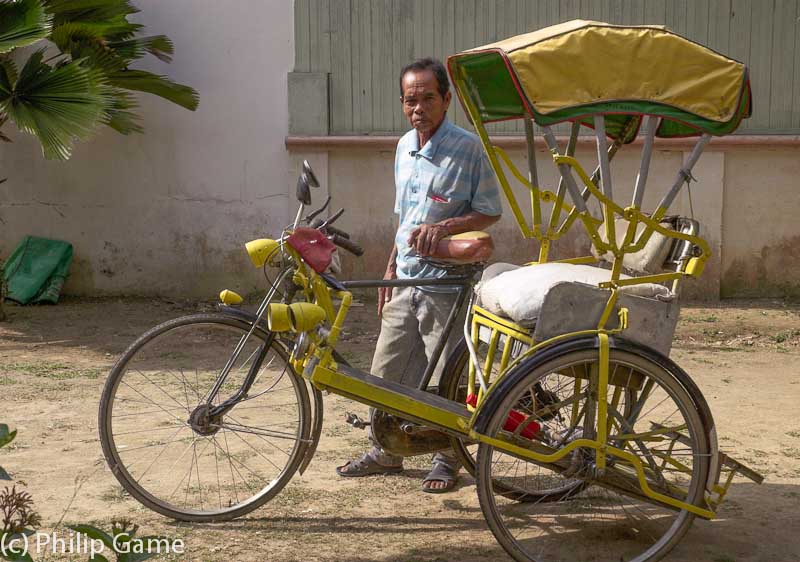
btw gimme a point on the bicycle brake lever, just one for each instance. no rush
(333, 218)
(313, 215)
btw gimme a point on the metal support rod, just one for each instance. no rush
(533, 177)
(602, 155)
(443, 337)
(566, 172)
(451, 281)
(651, 124)
(572, 144)
(684, 173)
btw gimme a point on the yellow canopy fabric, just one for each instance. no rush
(586, 62)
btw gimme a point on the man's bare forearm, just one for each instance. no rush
(471, 221)
(392, 265)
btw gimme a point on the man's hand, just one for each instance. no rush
(425, 238)
(385, 293)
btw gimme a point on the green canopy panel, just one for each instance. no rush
(568, 72)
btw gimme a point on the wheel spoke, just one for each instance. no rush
(197, 470)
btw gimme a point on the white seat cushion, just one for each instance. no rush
(650, 259)
(519, 293)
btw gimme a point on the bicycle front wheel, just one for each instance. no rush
(165, 449)
(650, 415)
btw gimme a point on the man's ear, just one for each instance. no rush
(447, 97)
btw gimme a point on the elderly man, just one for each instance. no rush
(444, 185)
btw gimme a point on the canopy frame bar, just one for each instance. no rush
(533, 175)
(566, 172)
(684, 175)
(602, 155)
(650, 126)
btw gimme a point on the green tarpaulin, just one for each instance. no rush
(37, 269)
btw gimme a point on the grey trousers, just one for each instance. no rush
(410, 327)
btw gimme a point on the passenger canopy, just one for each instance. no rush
(568, 72)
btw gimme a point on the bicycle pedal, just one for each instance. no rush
(355, 421)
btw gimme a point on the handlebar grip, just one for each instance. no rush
(348, 245)
(329, 229)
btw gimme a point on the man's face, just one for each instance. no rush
(423, 105)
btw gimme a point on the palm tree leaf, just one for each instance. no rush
(57, 104)
(23, 22)
(8, 73)
(119, 115)
(124, 122)
(67, 35)
(159, 46)
(109, 12)
(143, 81)
(3, 137)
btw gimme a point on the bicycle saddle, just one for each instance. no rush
(464, 249)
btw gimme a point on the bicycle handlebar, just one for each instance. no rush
(329, 229)
(347, 244)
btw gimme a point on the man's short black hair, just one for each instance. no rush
(428, 63)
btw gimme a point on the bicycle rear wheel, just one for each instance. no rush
(169, 454)
(650, 414)
(542, 487)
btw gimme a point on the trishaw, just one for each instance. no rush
(585, 440)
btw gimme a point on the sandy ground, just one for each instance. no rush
(53, 362)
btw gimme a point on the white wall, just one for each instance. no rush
(745, 199)
(168, 212)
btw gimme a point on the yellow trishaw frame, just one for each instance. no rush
(319, 364)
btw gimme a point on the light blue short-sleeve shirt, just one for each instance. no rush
(449, 177)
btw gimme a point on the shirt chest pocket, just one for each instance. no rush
(441, 206)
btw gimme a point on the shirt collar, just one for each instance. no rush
(429, 150)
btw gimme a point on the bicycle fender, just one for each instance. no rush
(497, 393)
(241, 314)
(316, 428)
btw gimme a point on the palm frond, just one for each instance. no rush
(8, 72)
(143, 81)
(57, 104)
(67, 35)
(113, 13)
(3, 137)
(22, 22)
(119, 115)
(159, 46)
(91, 10)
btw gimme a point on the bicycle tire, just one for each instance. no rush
(156, 388)
(453, 387)
(602, 512)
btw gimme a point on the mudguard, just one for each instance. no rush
(558, 349)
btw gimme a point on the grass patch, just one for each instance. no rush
(710, 318)
(793, 433)
(793, 453)
(785, 335)
(53, 370)
(115, 494)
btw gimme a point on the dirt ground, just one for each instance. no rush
(54, 360)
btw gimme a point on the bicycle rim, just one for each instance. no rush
(609, 518)
(548, 486)
(164, 448)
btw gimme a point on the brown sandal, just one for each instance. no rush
(365, 466)
(440, 472)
